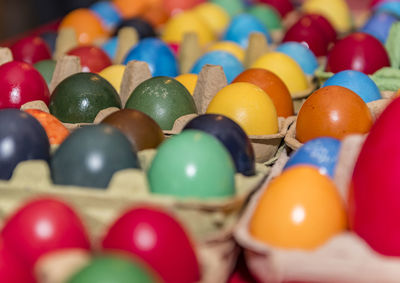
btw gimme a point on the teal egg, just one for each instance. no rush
(162, 98)
(46, 69)
(192, 164)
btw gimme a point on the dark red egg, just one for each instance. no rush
(21, 83)
(31, 49)
(325, 25)
(282, 6)
(358, 51)
(93, 58)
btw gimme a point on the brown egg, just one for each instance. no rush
(141, 130)
(332, 111)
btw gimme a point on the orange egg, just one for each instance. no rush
(131, 8)
(55, 130)
(300, 209)
(332, 111)
(273, 86)
(86, 24)
(156, 16)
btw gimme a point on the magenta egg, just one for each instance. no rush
(325, 25)
(93, 58)
(30, 50)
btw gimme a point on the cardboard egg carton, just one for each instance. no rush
(345, 258)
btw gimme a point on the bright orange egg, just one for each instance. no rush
(131, 8)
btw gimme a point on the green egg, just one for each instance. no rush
(46, 69)
(267, 15)
(114, 269)
(232, 7)
(80, 97)
(162, 98)
(192, 164)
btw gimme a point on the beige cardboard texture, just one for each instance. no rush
(127, 38)
(5, 55)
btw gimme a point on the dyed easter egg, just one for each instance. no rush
(114, 74)
(93, 58)
(108, 13)
(388, 6)
(298, 215)
(143, 27)
(229, 46)
(50, 38)
(232, 7)
(157, 55)
(267, 15)
(166, 248)
(142, 131)
(189, 81)
(110, 47)
(231, 135)
(301, 54)
(162, 98)
(379, 24)
(273, 86)
(30, 50)
(42, 226)
(332, 111)
(201, 166)
(12, 269)
(46, 69)
(90, 156)
(249, 106)
(354, 53)
(80, 97)
(214, 16)
(358, 82)
(21, 83)
(282, 6)
(174, 7)
(324, 24)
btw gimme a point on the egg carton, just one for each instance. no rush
(210, 222)
(345, 258)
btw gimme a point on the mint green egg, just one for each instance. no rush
(267, 15)
(232, 7)
(192, 164)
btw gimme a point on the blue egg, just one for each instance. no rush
(242, 26)
(108, 13)
(392, 7)
(231, 65)
(301, 54)
(379, 25)
(110, 47)
(157, 54)
(358, 82)
(322, 153)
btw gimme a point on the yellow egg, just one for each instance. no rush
(113, 74)
(336, 11)
(285, 68)
(185, 22)
(214, 16)
(189, 81)
(229, 46)
(300, 209)
(249, 106)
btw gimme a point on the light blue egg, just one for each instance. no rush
(392, 7)
(108, 13)
(358, 82)
(110, 47)
(240, 28)
(301, 54)
(157, 55)
(231, 65)
(322, 153)
(379, 25)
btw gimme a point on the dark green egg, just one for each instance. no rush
(162, 98)
(80, 97)
(46, 69)
(91, 155)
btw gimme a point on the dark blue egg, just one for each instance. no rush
(231, 135)
(91, 155)
(50, 38)
(143, 27)
(21, 138)
(379, 25)
(322, 153)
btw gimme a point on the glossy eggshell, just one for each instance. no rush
(379, 25)
(293, 214)
(273, 86)
(166, 246)
(267, 15)
(232, 7)
(12, 269)
(46, 69)
(354, 52)
(142, 131)
(322, 153)
(374, 196)
(93, 58)
(324, 24)
(358, 82)
(108, 13)
(42, 226)
(30, 50)
(80, 97)
(189, 81)
(143, 27)
(301, 54)
(214, 16)
(90, 156)
(231, 135)
(114, 74)
(332, 111)
(202, 167)
(164, 99)
(229, 46)
(114, 267)
(157, 55)
(21, 138)
(21, 83)
(282, 6)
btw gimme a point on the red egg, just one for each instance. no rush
(30, 50)
(93, 59)
(21, 83)
(308, 32)
(358, 51)
(174, 47)
(374, 196)
(159, 240)
(326, 26)
(282, 6)
(42, 226)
